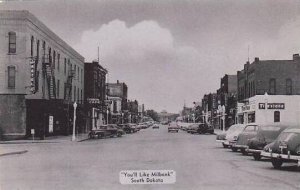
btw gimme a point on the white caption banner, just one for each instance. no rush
(147, 177)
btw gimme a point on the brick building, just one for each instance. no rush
(276, 77)
(95, 94)
(40, 77)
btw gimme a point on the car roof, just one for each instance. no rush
(292, 130)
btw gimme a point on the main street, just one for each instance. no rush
(199, 162)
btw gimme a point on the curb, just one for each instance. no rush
(12, 153)
(30, 142)
(83, 140)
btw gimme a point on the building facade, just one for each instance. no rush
(95, 94)
(41, 76)
(117, 96)
(276, 77)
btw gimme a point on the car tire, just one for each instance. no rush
(277, 163)
(244, 152)
(234, 149)
(256, 156)
(224, 145)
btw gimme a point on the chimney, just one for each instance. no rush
(256, 59)
(296, 57)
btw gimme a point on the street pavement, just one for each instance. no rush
(199, 163)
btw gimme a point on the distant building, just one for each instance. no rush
(165, 117)
(133, 111)
(227, 98)
(117, 95)
(95, 94)
(276, 77)
(41, 76)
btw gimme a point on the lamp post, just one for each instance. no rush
(122, 114)
(107, 112)
(193, 117)
(74, 121)
(129, 118)
(223, 117)
(266, 106)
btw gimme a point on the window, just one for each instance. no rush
(58, 58)
(74, 93)
(251, 118)
(58, 86)
(11, 70)
(81, 95)
(12, 42)
(115, 107)
(50, 60)
(272, 86)
(77, 94)
(54, 56)
(38, 49)
(65, 66)
(250, 128)
(31, 46)
(276, 116)
(289, 86)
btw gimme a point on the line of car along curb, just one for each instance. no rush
(277, 141)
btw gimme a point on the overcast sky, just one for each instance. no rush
(168, 52)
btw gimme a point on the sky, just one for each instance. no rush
(171, 51)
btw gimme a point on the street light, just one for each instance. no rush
(122, 114)
(193, 117)
(74, 121)
(223, 117)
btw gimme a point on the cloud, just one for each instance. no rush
(158, 72)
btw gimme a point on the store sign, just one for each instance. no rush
(246, 108)
(93, 101)
(271, 106)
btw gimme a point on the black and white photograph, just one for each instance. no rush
(149, 94)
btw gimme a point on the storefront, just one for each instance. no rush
(270, 109)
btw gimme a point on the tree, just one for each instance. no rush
(153, 114)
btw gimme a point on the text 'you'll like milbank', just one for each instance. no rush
(147, 177)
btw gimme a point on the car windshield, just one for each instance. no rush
(235, 128)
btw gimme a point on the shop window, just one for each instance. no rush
(289, 87)
(272, 86)
(11, 70)
(251, 118)
(276, 116)
(12, 42)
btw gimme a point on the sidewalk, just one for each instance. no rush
(51, 139)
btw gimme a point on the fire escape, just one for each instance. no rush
(49, 75)
(68, 87)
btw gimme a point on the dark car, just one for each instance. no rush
(265, 135)
(155, 126)
(193, 128)
(249, 132)
(106, 131)
(286, 148)
(128, 128)
(205, 128)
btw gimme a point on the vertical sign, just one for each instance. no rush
(50, 124)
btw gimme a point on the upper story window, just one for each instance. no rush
(12, 40)
(272, 86)
(11, 82)
(44, 47)
(276, 116)
(58, 61)
(31, 46)
(54, 56)
(38, 49)
(65, 66)
(289, 86)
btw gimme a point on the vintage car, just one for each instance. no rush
(205, 128)
(286, 148)
(249, 132)
(221, 137)
(106, 131)
(173, 127)
(193, 128)
(155, 126)
(129, 128)
(232, 134)
(265, 135)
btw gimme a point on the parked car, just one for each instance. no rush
(155, 126)
(286, 148)
(205, 128)
(249, 132)
(106, 131)
(232, 134)
(221, 137)
(193, 128)
(265, 135)
(173, 127)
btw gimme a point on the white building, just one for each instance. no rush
(266, 108)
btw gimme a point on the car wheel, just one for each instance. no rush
(244, 152)
(277, 163)
(224, 145)
(177, 131)
(256, 156)
(234, 149)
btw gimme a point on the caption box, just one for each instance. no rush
(147, 177)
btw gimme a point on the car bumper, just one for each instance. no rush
(229, 143)
(240, 146)
(253, 150)
(220, 141)
(173, 129)
(281, 156)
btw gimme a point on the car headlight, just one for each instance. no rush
(298, 150)
(235, 138)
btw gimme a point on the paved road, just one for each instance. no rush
(199, 162)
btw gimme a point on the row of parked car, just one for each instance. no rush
(117, 130)
(279, 142)
(199, 128)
